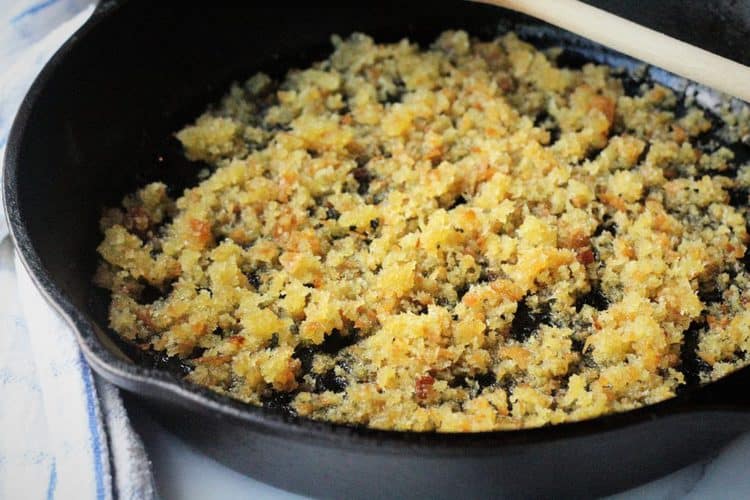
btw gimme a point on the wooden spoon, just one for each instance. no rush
(640, 42)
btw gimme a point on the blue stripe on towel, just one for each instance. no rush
(52, 481)
(32, 10)
(96, 439)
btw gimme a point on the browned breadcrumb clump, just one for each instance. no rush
(463, 238)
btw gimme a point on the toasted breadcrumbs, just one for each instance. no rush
(463, 238)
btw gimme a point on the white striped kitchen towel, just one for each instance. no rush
(63, 435)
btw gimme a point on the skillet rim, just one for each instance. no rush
(163, 385)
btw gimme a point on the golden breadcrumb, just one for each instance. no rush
(462, 238)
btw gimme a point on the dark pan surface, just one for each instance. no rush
(95, 126)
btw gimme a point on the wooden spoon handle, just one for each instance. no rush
(640, 42)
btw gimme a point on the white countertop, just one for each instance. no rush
(184, 473)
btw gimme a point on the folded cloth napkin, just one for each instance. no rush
(63, 434)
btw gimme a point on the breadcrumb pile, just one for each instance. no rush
(461, 238)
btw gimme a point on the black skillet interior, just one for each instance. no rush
(98, 123)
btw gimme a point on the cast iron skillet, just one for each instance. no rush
(97, 124)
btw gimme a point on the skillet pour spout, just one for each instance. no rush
(92, 128)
